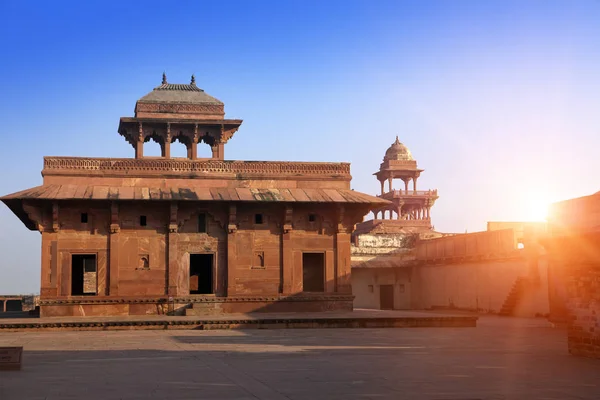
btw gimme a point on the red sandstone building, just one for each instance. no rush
(408, 209)
(152, 235)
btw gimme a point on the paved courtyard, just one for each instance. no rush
(503, 358)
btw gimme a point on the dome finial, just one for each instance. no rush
(397, 140)
(164, 81)
(193, 82)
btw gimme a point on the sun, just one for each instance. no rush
(536, 208)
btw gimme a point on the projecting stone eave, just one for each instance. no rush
(18, 202)
(126, 123)
(16, 206)
(399, 171)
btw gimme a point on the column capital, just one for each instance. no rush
(232, 224)
(173, 208)
(115, 227)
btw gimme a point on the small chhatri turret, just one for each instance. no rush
(410, 206)
(183, 112)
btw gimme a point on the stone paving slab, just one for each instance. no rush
(503, 358)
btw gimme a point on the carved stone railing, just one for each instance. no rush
(128, 166)
(403, 222)
(401, 193)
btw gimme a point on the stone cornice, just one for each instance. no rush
(184, 168)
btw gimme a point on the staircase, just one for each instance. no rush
(204, 309)
(513, 298)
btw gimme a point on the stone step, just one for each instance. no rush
(513, 297)
(204, 309)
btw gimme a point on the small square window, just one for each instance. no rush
(84, 218)
(312, 217)
(202, 223)
(258, 219)
(142, 220)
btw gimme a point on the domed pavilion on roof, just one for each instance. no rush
(158, 235)
(408, 208)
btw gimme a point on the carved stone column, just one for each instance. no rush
(139, 144)
(167, 143)
(342, 251)
(218, 151)
(287, 255)
(194, 144)
(113, 251)
(174, 267)
(231, 250)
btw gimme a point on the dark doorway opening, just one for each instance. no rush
(201, 274)
(14, 305)
(386, 297)
(313, 272)
(83, 275)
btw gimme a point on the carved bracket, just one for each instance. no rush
(173, 218)
(141, 133)
(115, 227)
(227, 133)
(35, 215)
(184, 216)
(288, 224)
(55, 224)
(168, 138)
(195, 139)
(232, 225)
(340, 221)
(219, 217)
(352, 216)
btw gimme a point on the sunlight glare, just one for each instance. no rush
(537, 207)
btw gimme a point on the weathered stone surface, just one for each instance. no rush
(574, 252)
(503, 358)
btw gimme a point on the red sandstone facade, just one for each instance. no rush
(187, 235)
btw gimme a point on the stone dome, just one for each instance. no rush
(398, 151)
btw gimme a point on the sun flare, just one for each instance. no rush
(536, 208)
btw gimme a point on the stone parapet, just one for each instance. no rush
(178, 167)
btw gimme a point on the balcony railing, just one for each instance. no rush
(401, 193)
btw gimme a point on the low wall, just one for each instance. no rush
(488, 243)
(366, 284)
(483, 286)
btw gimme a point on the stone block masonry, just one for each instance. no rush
(584, 306)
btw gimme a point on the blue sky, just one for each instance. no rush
(497, 100)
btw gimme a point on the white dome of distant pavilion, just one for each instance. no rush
(398, 151)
